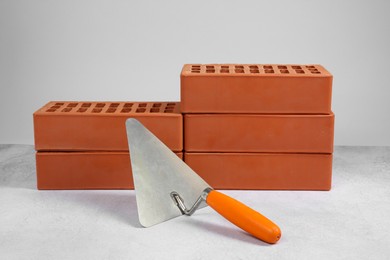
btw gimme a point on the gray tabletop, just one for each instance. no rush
(349, 222)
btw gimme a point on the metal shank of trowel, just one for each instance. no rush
(180, 202)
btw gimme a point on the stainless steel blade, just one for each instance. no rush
(157, 172)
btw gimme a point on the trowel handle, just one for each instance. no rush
(244, 217)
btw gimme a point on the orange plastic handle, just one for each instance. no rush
(244, 217)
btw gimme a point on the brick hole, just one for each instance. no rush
(154, 110)
(310, 67)
(59, 104)
(72, 104)
(86, 105)
(296, 67)
(209, 67)
(316, 72)
(268, 67)
(284, 71)
(239, 67)
(269, 71)
(224, 71)
(51, 110)
(195, 71)
(55, 107)
(253, 67)
(100, 105)
(210, 71)
(96, 110)
(225, 67)
(282, 67)
(111, 110)
(142, 105)
(81, 110)
(140, 110)
(67, 109)
(114, 104)
(195, 66)
(157, 105)
(128, 105)
(168, 110)
(300, 71)
(254, 71)
(313, 70)
(171, 104)
(239, 70)
(125, 110)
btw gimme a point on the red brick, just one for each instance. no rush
(84, 170)
(258, 133)
(100, 126)
(263, 171)
(245, 88)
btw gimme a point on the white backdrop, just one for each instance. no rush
(134, 50)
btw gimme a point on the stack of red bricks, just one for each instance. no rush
(83, 145)
(245, 127)
(258, 126)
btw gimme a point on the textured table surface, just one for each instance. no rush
(349, 222)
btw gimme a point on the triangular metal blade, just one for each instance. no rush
(157, 172)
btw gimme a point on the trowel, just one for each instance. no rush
(166, 188)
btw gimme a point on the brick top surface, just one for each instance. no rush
(262, 70)
(110, 108)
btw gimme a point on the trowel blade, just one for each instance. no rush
(157, 172)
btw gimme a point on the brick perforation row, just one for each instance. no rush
(111, 107)
(255, 69)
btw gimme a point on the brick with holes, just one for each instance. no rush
(255, 88)
(100, 126)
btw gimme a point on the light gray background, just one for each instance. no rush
(134, 50)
